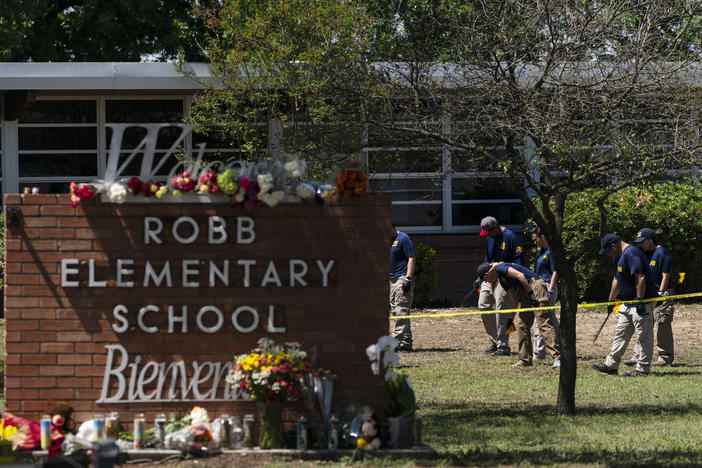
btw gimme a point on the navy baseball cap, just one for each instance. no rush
(482, 269)
(608, 240)
(643, 234)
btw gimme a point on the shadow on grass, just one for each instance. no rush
(463, 413)
(436, 350)
(482, 424)
(619, 458)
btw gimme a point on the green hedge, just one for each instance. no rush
(425, 275)
(672, 209)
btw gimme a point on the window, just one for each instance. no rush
(145, 111)
(57, 141)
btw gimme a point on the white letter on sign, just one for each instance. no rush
(152, 234)
(193, 236)
(65, 271)
(245, 225)
(219, 226)
(116, 372)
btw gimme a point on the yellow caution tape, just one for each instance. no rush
(528, 309)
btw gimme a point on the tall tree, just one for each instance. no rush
(559, 96)
(94, 30)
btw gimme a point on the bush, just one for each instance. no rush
(425, 275)
(672, 209)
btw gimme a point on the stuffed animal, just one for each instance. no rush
(61, 423)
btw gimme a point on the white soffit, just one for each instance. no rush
(59, 76)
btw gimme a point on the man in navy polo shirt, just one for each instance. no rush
(402, 263)
(502, 245)
(660, 262)
(526, 287)
(633, 280)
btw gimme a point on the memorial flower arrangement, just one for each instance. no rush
(351, 183)
(402, 402)
(81, 192)
(247, 185)
(270, 372)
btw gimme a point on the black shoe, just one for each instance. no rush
(405, 347)
(629, 362)
(635, 373)
(604, 368)
(491, 349)
(501, 352)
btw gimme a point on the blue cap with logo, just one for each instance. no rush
(607, 241)
(643, 234)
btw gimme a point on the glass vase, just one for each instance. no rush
(271, 417)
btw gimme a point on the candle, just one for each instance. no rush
(302, 433)
(248, 430)
(332, 433)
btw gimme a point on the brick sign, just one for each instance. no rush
(141, 307)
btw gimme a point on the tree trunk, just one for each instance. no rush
(566, 380)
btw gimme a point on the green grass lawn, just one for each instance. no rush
(477, 410)
(479, 414)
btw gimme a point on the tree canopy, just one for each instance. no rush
(94, 30)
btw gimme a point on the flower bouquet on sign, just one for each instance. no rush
(192, 433)
(402, 402)
(270, 374)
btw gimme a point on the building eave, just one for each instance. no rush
(98, 76)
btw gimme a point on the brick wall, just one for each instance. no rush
(56, 335)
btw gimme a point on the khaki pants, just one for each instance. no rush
(663, 319)
(630, 322)
(543, 317)
(400, 304)
(539, 345)
(495, 324)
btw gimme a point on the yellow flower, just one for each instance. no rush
(361, 443)
(177, 193)
(9, 432)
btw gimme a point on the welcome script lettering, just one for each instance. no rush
(126, 378)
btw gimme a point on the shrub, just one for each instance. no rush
(425, 275)
(672, 209)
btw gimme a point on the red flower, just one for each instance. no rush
(135, 185)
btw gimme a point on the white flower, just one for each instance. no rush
(292, 167)
(375, 367)
(390, 374)
(305, 191)
(265, 182)
(272, 198)
(199, 415)
(375, 443)
(240, 194)
(373, 352)
(387, 343)
(117, 193)
(390, 359)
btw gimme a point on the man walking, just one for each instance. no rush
(660, 262)
(525, 287)
(502, 245)
(402, 263)
(632, 280)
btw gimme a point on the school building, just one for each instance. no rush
(53, 130)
